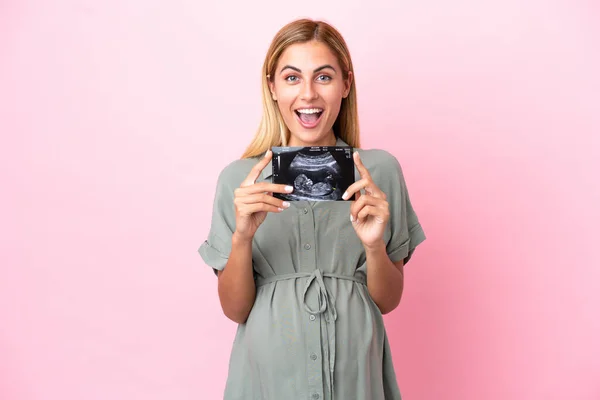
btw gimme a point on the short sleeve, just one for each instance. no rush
(216, 248)
(405, 231)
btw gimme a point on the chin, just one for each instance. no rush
(309, 136)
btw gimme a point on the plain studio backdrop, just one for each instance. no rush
(117, 116)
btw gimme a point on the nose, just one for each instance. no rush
(307, 91)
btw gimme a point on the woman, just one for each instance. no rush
(308, 282)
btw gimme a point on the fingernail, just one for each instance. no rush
(351, 218)
(289, 188)
(286, 204)
(280, 209)
(345, 196)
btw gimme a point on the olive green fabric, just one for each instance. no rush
(314, 332)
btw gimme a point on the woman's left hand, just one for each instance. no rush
(370, 212)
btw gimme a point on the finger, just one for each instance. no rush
(261, 198)
(379, 214)
(366, 200)
(362, 170)
(263, 187)
(250, 209)
(375, 201)
(356, 207)
(368, 186)
(355, 189)
(257, 169)
(371, 188)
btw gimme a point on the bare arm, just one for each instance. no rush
(252, 201)
(369, 215)
(237, 290)
(385, 279)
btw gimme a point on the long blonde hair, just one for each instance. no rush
(272, 130)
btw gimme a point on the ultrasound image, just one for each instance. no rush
(316, 173)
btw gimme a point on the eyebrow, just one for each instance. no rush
(322, 67)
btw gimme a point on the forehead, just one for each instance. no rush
(308, 55)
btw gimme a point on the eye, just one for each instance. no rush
(324, 78)
(291, 78)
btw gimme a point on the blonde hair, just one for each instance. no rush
(272, 130)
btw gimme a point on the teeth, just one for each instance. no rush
(309, 110)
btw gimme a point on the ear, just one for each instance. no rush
(271, 88)
(348, 84)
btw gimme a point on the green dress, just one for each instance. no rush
(314, 332)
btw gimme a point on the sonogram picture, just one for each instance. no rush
(316, 173)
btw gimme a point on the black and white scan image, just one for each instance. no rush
(316, 173)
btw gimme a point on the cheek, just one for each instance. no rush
(285, 100)
(332, 94)
(334, 103)
(285, 110)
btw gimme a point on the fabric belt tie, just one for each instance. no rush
(326, 306)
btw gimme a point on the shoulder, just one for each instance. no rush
(381, 163)
(232, 175)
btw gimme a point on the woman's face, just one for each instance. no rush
(309, 87)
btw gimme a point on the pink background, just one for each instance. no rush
(112, 117)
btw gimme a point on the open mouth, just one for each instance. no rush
(309, 117)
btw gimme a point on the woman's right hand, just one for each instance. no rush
(254, 200)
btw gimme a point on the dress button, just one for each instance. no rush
(312, 317)
(307, 246)
(305, 211)
(315, 396)
(313, 356)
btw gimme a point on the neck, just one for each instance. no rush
(329, 140)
